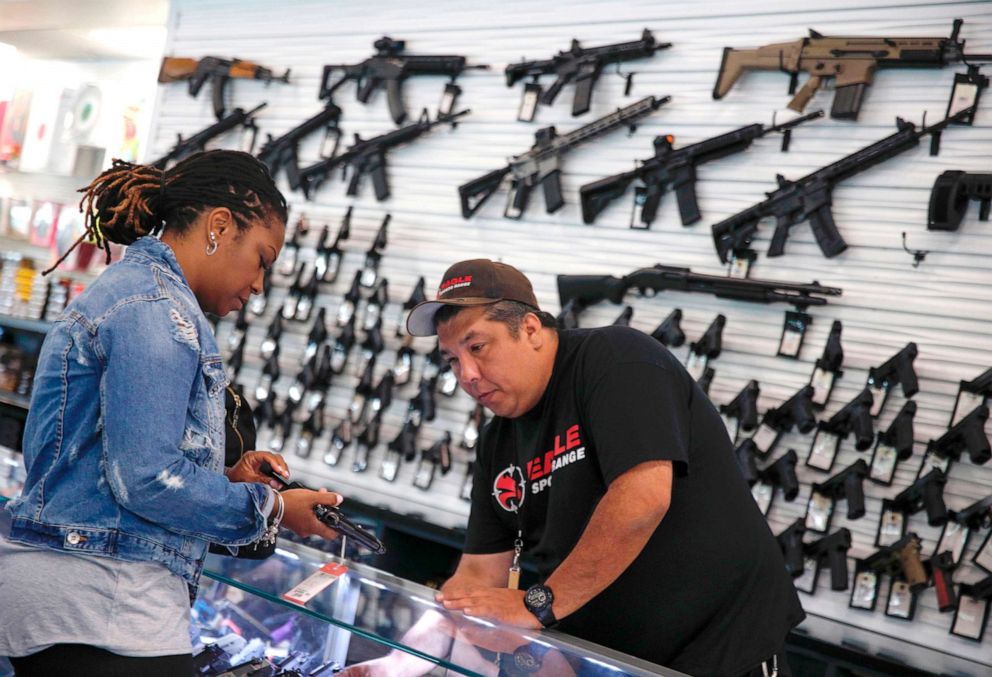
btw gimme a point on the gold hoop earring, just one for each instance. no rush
(212, 247)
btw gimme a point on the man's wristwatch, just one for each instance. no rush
(538, 600)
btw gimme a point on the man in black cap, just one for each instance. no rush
(608, 465)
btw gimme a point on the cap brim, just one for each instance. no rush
(420, 321)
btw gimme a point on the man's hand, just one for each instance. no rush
(247, 469)
(501, 605)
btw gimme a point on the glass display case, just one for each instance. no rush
(367, 622)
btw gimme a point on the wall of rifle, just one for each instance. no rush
(910, 329)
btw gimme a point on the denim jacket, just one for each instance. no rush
(124, 441)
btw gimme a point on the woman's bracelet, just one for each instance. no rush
(272, 531)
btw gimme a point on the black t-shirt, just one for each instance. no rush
(708, 594)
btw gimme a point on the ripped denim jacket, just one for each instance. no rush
(124, 441)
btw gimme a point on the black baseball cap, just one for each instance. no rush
(476, 282)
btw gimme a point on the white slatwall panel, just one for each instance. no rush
(944, 305)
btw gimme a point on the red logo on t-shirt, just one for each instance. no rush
(508, 489)
(567, 448)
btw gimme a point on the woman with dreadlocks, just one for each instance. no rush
(124, 441)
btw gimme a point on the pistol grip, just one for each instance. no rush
(806, 93)
(517, 199)
(218, 82)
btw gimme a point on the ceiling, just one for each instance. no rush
(85, 29)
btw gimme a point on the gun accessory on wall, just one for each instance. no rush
(809, 198)
(389, 67)
(851, 61)
(583, 65)
(951, 193)
(541, 165)
(198, 142)
(282, 153)
(218, 70)
(368, 156)
(676, 168)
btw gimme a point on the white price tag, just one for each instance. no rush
(822, 382)
(884, 463)
(765, 438)
(824, 449)
(312, 585)
(967, 403)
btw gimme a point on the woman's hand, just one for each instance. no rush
(298, 515)
(248, 468)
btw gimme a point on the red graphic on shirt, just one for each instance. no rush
(544, 464)
(508, 489)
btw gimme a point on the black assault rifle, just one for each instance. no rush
(368, 156)
(542, 163)
(582, 65)
(390, 67)
(198, 142)
(282, 153)
(676, 168)
(809, 198)
(582, 291)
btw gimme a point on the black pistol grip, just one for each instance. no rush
(218, 83)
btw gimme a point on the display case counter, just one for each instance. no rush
(372, 623)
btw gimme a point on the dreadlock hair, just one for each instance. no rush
(129, 201)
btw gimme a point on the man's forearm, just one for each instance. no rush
(620, 526)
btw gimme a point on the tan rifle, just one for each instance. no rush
(850, 61)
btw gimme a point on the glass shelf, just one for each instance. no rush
(404, 619)
(366, 614)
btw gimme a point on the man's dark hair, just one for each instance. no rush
(510, 313)
(129, 201)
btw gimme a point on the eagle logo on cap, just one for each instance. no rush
(508, 489)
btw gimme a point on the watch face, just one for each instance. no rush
(537, 598)
(525, 662)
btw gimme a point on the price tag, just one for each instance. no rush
(966, 403)
(823, 383)
(823, 450)
(763, 494)
(765, 438)
(311, 586)
(883, 464)
(865, 590)
(970, 617)
(952, 539)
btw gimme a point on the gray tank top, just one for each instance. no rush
(52, 597)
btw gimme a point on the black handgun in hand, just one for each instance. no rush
(331, 516)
